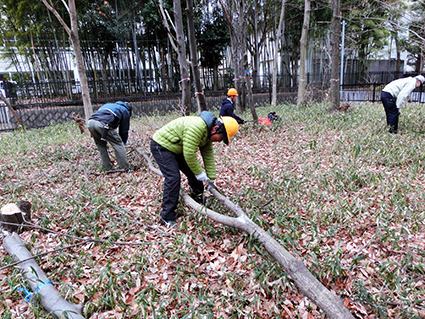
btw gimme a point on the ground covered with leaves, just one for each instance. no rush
(336, 190)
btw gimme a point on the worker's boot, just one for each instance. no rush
(198, 197)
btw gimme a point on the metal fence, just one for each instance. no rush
(40, 104)
(35, 117)
(36, 94)
(372, 93)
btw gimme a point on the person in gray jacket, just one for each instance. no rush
(394, 95)
(103, 127)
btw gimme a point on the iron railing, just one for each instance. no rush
(36, 94)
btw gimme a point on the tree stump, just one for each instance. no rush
(80, 121)
(13, 217)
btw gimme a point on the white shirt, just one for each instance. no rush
(400, 89)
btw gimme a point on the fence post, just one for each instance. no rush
(374, 90)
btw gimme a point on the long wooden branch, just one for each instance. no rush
(310, 286)
(12, 110)
(165, 18)
(51, 300)
(58, 16)
(327, 300)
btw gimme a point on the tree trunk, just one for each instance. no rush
(335, 56)
(237, 30)
(302, 82)
(181, 52)
(163, 70)
(276, 54)
(73, 35)
(199, 92)
(215, 78)
(11, 218)
(256, 66)
(327, 300)
(51, 300)
(249, 91)
(88, 109)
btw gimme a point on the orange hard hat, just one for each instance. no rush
(232, 91)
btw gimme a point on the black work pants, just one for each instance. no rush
(391, 111)
(170, 165)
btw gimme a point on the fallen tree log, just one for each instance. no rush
(51, 300)
(309, 285)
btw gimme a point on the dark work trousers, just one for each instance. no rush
(170, 165)
(391, 111)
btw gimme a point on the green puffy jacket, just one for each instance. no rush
(185, 135)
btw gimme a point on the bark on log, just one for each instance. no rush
(326, 300)
(312, 288)
(51, 300)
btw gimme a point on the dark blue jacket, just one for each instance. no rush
(114, 115)
(227, 110)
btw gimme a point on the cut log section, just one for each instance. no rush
(13, 217)
(40, 285)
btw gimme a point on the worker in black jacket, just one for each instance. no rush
(103, 127)
(227, 105)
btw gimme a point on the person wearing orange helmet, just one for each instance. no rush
(174, 147)
(227, 106)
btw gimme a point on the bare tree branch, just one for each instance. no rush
(327, 300)
(57, 15)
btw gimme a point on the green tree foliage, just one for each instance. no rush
(366, 32)
(22, 24)
(24, 20)
(396, 26)
(415, 42)
(29, 29)
(152, 26)
(295, 13)
(212, 38)
(100, 28)
(101, 23)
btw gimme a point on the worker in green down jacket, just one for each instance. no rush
(174, 148)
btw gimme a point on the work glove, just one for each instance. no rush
(202, 177)
(210, 185)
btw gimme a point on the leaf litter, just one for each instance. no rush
(356, 222)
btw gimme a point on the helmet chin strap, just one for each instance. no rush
(218, 130)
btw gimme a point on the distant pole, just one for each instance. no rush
(341, 77)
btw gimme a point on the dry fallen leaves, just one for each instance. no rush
(211, 260)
